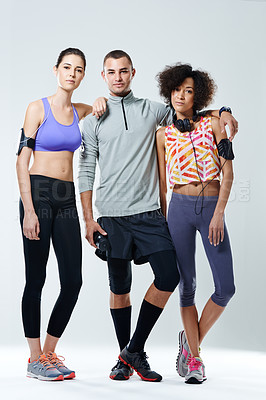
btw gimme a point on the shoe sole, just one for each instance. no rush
(139, 374)
(180, 352)
(70, 376)
(45, 378)
(120, 377)
(193, 381)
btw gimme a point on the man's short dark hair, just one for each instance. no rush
(116, 54)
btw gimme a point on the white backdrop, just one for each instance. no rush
(225, 38)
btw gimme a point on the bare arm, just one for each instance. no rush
(226, 119)
(31, 227)
(82, 109)
(216, 228)
(86, 176)
(98, 108)
(91, 226)
(160, 138)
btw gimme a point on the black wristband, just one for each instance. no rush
(227, 109)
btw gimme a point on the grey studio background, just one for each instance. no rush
(225, 38)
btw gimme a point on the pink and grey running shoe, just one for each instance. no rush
(57, 362)
(196, 371)
(184, 355)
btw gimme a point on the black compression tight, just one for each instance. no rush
(54, 204)
(163, 264)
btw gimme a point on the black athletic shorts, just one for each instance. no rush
(134, 237)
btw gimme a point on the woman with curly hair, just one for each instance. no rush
(189, 150)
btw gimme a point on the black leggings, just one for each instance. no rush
(163, 264)
(55, 205)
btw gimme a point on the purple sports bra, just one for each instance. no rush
(53, 136)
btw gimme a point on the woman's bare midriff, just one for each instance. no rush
(194, 188)
(55, 164)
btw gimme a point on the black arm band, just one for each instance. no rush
(25, 142)
(225, 149)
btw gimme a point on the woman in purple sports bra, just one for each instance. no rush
(48, 210)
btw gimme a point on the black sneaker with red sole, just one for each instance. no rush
(138, 361)
(121, 372)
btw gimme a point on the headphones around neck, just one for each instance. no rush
(187, 125)
(183, 125)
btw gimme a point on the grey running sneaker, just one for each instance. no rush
(43, 370)
(57, 362)
(196, 371)
(184, 355)
(121, 372)
(138, 361)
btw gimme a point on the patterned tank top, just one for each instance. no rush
(180, 158)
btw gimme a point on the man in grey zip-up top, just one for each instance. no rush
(123, 142)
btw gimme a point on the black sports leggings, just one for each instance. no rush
(55, 205)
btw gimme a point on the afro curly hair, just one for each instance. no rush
(173, 76)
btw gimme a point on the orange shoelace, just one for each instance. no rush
(55, 359)
(45, 362)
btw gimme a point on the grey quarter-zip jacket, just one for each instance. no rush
(123, 142)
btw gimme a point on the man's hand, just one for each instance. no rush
(99, 107)
(91, 227)
(228, 119)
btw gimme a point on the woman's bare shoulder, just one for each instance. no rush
(34, 115)
(161, 131)
(35, 106)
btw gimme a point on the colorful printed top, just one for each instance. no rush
(180, 158)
